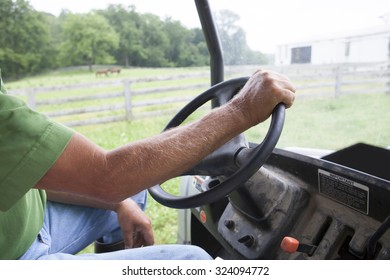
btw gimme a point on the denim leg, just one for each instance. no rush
(69, 228)
(157, 252)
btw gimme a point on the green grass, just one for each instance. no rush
(61, 77)
(338, 122)
(333, 123)
(328, 123)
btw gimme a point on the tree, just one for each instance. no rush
(154, 41)
(32, 41)
(55, 25)
(146, 40)
(126, 22)
(233, 41)
(25, 45)
(88, 39)
(186, 49)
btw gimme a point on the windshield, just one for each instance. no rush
(336, 53)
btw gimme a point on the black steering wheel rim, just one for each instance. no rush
(259, 154)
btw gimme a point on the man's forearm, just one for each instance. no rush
(111, 176)
(148, 162)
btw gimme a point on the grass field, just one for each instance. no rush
(328, 123)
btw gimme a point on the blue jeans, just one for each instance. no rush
(67, 229)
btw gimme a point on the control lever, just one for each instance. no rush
(292, 245)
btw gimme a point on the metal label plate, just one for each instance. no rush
(344, 190)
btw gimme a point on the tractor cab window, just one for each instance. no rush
(336, 53)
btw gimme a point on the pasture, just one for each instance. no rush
(326, 122)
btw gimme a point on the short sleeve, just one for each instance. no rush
(30, 143)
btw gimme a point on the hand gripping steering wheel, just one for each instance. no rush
(234, 160)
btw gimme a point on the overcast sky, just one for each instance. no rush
(267, 22)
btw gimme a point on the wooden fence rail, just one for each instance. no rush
(128, 99)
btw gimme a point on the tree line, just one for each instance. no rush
(32, 41)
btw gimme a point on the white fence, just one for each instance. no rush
(127, 99)
(333, 80)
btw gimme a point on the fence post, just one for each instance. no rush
(388, 73)
(388, 68)
(31, 98)
(338, 81)
(127, 94)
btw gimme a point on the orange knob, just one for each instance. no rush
(289, 244)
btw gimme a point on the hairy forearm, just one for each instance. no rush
(89, 171)
(151, 161)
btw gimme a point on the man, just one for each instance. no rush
(59, 191)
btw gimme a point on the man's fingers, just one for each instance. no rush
(149, 238)
(140, 239)
(289, 97)
(286, 88)
(129, 240)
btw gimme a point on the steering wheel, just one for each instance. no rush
(239, 162)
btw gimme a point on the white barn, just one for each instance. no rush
(370, 45)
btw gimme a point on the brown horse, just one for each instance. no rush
(115, 70)
(101, 72)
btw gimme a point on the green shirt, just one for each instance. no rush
(30, 143)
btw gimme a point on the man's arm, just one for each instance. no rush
(112, 176)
